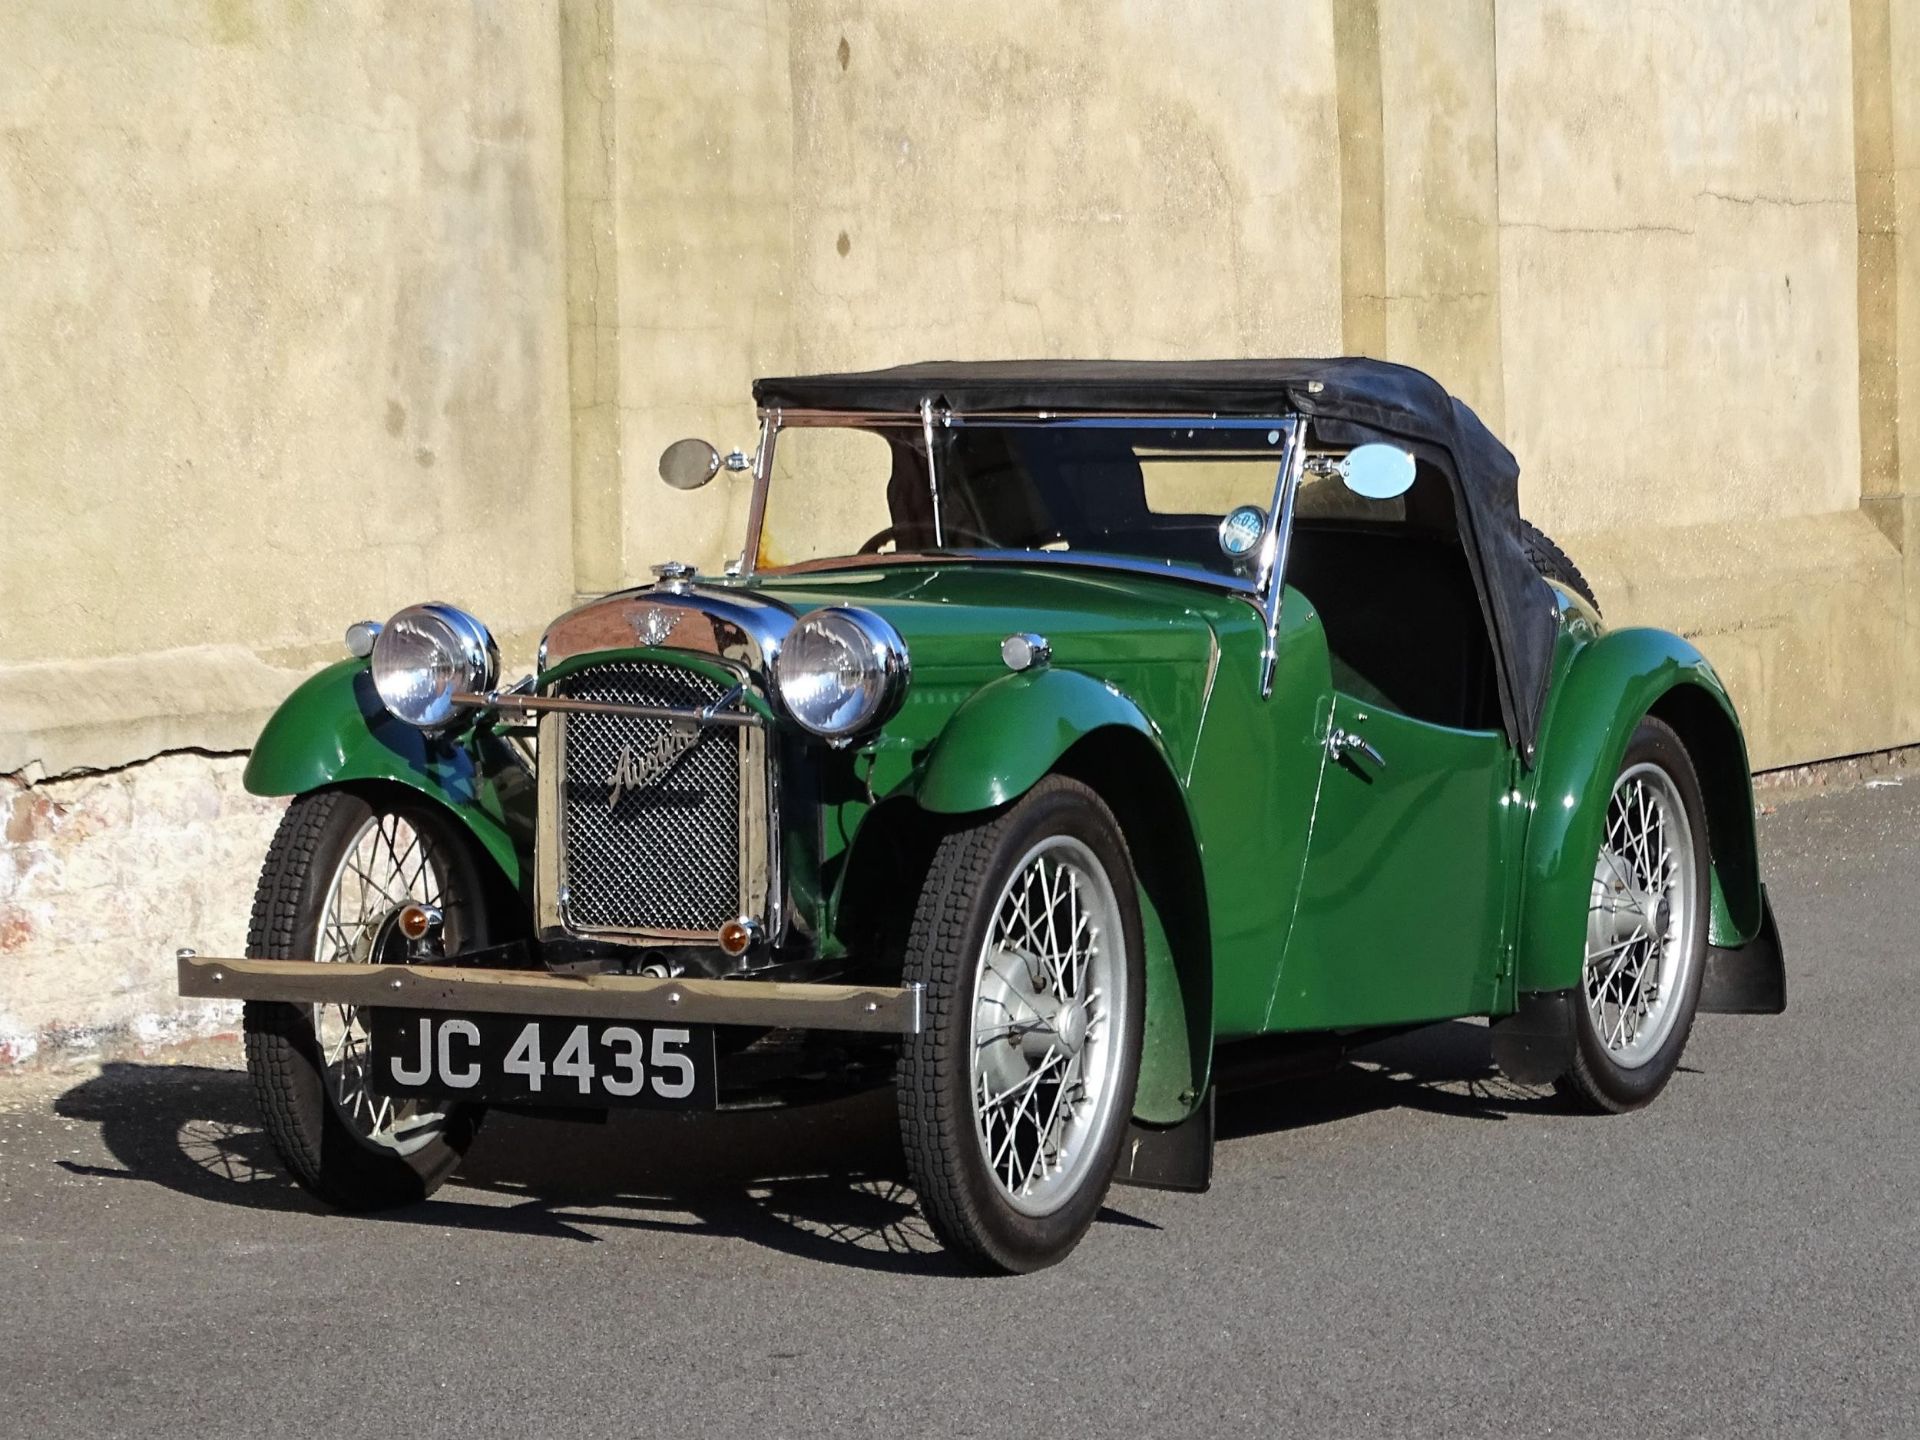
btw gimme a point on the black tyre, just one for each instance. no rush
(1646, 929)
(1016, 1096)
(1554, 563)
(339, 870)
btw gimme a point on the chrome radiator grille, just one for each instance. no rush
(663, 856)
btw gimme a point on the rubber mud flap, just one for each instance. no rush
(1749, 979)
(1170, 1157)
(1534, 1045)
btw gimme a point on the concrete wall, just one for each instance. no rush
(278, 345)
(315, 307)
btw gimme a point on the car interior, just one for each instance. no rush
(1390, 580)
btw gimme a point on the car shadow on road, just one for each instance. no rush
(818, 1180)
(1444, 1069)
(824, 1181)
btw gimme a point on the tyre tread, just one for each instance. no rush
(276, 1055)
(961, 864)
(1554, 563)
(283, 1063)
(937, 1138)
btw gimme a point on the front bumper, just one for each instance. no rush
(768, 1004)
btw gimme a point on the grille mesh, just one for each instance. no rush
(666, 856)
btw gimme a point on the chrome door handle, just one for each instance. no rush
(1345, 742)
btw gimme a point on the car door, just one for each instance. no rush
(1402, 898)
(1401, 902)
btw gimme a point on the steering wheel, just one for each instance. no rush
(892, 532)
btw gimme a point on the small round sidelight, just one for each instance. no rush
(1025, 651)
(840, 671)
(427, 654)
(417, 921)
(737, 936)
(360, 637)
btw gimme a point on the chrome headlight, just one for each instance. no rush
(841, 671)
(424, 656)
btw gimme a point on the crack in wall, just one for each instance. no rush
(23, 779)
(1734, 198)
(1643, 229)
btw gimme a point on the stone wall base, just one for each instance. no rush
(1809, 620)
(102, 877)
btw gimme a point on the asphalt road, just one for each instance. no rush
(1412, 1247)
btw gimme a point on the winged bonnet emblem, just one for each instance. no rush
(654, 627)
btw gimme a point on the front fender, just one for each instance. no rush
(1012, 731)
(1608, 686)
(333, 730)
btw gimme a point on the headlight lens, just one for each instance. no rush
(427, 653)
(840, 671)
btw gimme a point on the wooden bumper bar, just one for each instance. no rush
(784, 1005)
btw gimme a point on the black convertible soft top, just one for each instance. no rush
(1346, 398)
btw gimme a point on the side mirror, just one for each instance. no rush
(1377, 471)
(689, 464)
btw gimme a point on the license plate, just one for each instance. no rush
(512, 1059)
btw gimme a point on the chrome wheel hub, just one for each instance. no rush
(1640, 919)
(1045, 1066)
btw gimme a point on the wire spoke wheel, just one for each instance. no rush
(1640, 922)
(1016, 1093)
(341, 868)
(1646, 929)
(1044, 1061)
(388, 865)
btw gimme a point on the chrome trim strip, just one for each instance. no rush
(1042, 559)
(780, 1004)
(1206, 699)
(1128, 418)
(708, 715)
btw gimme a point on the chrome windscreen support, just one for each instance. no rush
(1273, 560)
(757, 504)
(933, 471)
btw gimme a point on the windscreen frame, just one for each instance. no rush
(1259, 588)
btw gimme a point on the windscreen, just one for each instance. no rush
(1184, 496)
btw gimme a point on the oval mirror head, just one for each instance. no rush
(689, 464)
(1379, 472)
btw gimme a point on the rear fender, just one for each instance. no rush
(333, 730)
(1610, 684)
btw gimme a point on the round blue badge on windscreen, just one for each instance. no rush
(1241, 530)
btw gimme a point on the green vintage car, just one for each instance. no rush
(1067, 738)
